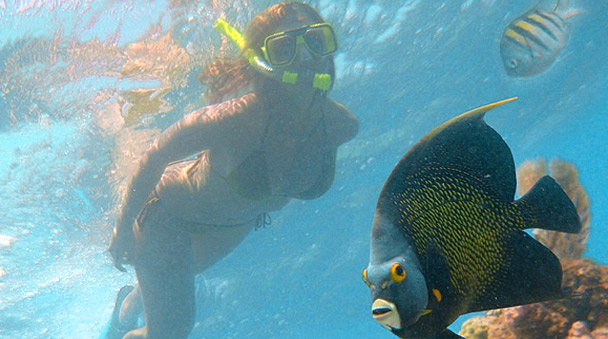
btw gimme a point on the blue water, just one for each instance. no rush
(403, 68)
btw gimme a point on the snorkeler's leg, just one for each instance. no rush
(131, 308)
(165, 275)
(115, 329)
(215, 242)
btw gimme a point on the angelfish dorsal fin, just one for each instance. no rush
(464, 143)
(479, 111)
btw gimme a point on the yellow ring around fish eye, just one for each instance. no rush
(397, 272)
(365, 277)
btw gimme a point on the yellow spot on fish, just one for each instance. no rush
(425, 312)
(364, 274)
(437, 294)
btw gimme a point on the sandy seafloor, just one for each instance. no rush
(402, 68)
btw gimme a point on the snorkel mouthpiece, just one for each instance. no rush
(320, 81)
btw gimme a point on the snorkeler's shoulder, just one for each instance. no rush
(229, 122)
(340, 121)
(241, 105)
(237, 111)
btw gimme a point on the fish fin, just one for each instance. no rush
(482, 149)
(548, 207)
(533, 274)
(437, 273)
(563, 10)
(479, 111)
(571, 13)
(436, 267)
(447, 334)
(561, 6)
(464, 143)
(548, 5)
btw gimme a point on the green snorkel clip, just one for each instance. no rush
(319, 80)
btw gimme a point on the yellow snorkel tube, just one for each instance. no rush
(321, 81)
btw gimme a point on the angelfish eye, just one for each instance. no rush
(513, 63)
(397, 272)
(364, 274)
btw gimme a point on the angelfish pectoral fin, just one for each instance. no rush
(425, 312)
(385, 313)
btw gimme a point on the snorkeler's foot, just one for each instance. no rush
(115, 329)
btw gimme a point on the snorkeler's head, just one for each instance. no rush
(286, 36)
(280, 17)
(305, 68)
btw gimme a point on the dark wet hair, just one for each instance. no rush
(226, 77)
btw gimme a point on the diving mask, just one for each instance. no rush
(280, 49)
(320, 41)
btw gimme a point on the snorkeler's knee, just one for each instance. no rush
(170, 329)
(139, 333)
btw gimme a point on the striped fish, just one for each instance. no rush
(531, 43)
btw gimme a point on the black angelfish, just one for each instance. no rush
(447, 237)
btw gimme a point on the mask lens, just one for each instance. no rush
(281, 49)
(321, 40)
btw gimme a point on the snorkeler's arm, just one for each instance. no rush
(194, 133)
(200, 130)
(342, 124)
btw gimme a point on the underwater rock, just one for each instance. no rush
(484, 327)
(585, 315)
(579, 330)
(600, 333)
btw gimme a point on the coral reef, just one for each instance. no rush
(585, 314)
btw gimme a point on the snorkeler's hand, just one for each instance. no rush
(121, 247)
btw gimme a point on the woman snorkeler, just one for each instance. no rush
(256, 152)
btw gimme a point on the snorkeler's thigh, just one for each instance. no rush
(159, 237)
(215, 242)
(164, 268)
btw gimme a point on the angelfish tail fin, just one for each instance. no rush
(546, 206)
(447, 334)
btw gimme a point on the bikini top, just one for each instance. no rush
(250, 179)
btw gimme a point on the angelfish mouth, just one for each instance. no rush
(385, 313)
(380, 311)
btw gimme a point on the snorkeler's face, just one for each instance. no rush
(284, 48)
